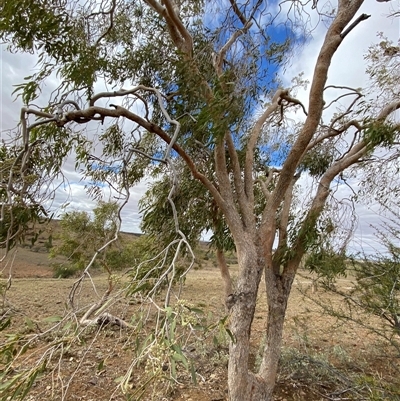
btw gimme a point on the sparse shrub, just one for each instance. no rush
(377, 288)
(327, 265)
(375, 291)
(62, 270)
(81, 236)
(317, 373)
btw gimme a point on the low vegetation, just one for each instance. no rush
(180, 351)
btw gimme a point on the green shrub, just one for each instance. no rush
(62, 270)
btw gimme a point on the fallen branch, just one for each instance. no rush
(103, 320)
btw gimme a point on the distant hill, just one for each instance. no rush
(43, 236)
(32, 256)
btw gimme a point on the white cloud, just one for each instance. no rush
(13, 68)
(72, 194)
(348, 69)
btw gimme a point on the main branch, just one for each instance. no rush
(333, 39)
(100, 113)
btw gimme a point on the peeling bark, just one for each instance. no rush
(278, 290)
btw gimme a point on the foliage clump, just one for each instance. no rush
(82, 236)
(317, 160)
(327, 264)
(18, 214)
(380, 133)
(377, 289)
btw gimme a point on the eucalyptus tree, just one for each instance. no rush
(81, 235)
(195, 94)
(21, 196)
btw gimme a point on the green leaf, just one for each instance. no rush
(4, 323)
(178, 357)
(53, 319)
(173, 368)
(231, 336)
(193, 374)
(100, 366)
(197, 310)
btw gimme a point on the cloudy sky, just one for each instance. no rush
(348, 68)
(72, 194)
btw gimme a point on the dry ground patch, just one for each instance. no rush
(316, 346)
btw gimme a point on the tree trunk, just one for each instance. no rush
(278, 290)
(226, 277)
(242, 383)
(238, 374)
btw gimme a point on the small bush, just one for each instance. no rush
(61, 270)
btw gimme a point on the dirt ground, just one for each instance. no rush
(316, 346)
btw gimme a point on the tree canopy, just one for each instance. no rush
(188, 92)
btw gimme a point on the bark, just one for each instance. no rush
(243, 384)
(224, 269)
(278, 290)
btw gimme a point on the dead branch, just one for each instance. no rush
(108, 319)
(78, 283)
(104, 318)
(361, 18)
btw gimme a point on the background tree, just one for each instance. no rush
(377, 288)
(83, 235)
(21, 196)
(205, 100)
(375, 275)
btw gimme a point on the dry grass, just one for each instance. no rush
(322, 358)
